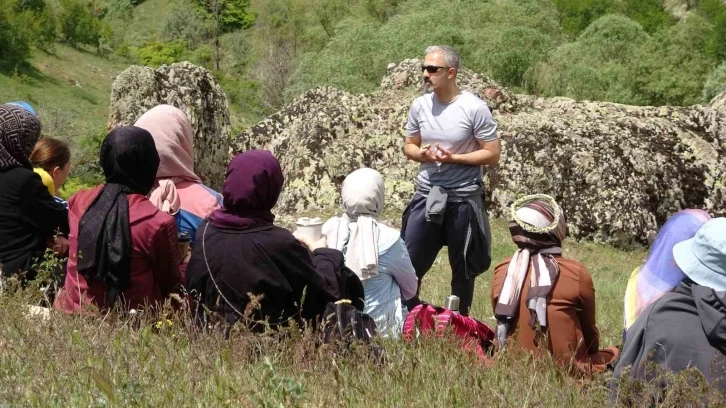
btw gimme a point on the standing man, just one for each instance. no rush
(452, 134)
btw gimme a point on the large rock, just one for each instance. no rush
(190, 88)
(619, 171)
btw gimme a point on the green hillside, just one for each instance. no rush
(265, 52)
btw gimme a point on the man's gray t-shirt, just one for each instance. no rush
(456, 126)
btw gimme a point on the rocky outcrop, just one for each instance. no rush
(190, 88)
(619, 171)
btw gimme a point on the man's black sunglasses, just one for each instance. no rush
(431, 68)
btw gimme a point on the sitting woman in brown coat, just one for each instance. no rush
(539, 295)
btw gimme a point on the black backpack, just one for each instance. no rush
(343, 325)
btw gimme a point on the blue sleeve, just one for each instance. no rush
(401, 269)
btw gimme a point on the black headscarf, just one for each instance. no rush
(129, 160)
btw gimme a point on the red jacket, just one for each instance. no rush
(154, 263)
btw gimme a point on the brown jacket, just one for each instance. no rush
(573, 335)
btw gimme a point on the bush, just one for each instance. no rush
(23, 24)
(355, 59)
(186, 23)
(79, 25)
(649, 13)
(671, 67)
(576, 15)
(14, 36)
(157, 53)
(512, 52)
(595, 66)
(714, 11)
(614, 59)
(715, 83)
(233, 14)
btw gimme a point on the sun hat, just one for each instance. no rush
(703, 257)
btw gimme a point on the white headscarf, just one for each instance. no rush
(357, 231)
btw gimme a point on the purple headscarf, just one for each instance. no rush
(660, 274)
(251, 188)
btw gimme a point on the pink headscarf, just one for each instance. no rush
(173, 136)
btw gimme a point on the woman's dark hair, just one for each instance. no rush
(50, 153)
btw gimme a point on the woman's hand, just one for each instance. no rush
(312, 245)
(60, 246)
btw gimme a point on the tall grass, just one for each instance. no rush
(163, 359)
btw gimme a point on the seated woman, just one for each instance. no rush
(685, 328)
(28, 213)
(660, 274)
(51, 159)
(123, 249)
(539, 292)
(375, 252)
(246, 268)
(178, 191)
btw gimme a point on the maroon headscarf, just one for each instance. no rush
(252, 186)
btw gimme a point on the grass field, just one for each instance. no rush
(69, 89)
(149, 361)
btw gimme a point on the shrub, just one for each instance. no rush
(715, 83)
(232, 14)
(576, 15)
(595, 66)
(671, 67)
(14, 36)
(158, 53)
(186, 23)
(78, 24)
(512, 52)
(649, 13)
(355, 59)
(715, 12)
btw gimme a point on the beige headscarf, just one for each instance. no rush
(357, 231)
(173, 136)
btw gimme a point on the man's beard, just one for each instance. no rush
(426, 87)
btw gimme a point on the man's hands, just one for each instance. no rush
(487, 155)
(425, 153)
(437, 154)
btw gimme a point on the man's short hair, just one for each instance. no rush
(451, 56)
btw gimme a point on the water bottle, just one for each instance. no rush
(452, 303)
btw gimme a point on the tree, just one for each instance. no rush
(596, 66)
(671, 67)
(14, 37)
(649, 13)
(78, 24)
(576, 15)
(277, 43)
(715, 83)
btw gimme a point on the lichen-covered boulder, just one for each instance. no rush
(619, 171)
(325, 134)
(407, 74)
(192, 89)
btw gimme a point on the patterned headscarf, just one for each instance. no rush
(538, 227)
(19, 130)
